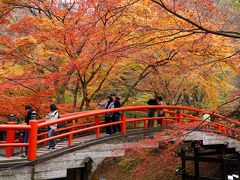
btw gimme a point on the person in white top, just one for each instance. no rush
(108, 117)
(53, 115)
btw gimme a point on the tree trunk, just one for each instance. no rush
(82, 105)
(60, 94)
(74, 96)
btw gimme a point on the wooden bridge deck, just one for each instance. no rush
(43, 150)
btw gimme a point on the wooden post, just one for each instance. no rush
(224, 130)
(135, 124)
(32, 140)
(196, 162)
(179, 117)
(183, 164)
(123, 127)
(70, 140)
(218, 127)
(144, 123)
(162, 122)
(166, 123)
(10, 139)
(98, 129)
(223, 165)
(71, 135)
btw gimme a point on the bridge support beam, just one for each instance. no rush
(196, 161)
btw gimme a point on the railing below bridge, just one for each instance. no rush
(176, 114)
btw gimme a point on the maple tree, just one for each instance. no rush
(210, 18)
(216, 21)
(66, 45)
(64, 51)
(200, 61)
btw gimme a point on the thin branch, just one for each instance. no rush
(21, 84)
(205, 30)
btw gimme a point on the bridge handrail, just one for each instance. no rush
(62, 115)
(35, 125)
(15, 127)
(133, 108)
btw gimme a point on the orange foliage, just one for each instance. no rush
(82, 49)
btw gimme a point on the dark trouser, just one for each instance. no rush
(151, 113)
(1, 135)
(160, 120)
(52, 143)
(117, 127)
(25, 141)
(108, 119)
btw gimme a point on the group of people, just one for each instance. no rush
(52, 115)
(113, 101)
(158, 100)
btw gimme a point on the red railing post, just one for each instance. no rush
(135, 124)
(32, 140)
(224, 130)
(70, 137)
(179, 117)
(70, 140)
(218, 126)
(144, 123)
(162, 122)
(97, 122)
(123, 127)
(10, 139)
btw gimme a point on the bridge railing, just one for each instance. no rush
(176, 114)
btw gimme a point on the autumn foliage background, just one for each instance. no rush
(76, 52)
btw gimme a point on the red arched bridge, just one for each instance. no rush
(90, 121)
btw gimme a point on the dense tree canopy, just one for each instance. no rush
(76, 52)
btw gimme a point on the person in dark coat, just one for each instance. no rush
(108, 117)
(27, 119)
(151, 112)
(116, 115)
(29, 113)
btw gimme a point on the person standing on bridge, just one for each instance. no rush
(160, 112)
(116, 115)
(151, 112)
(108, 117)
(29, 111)
(53, 115)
